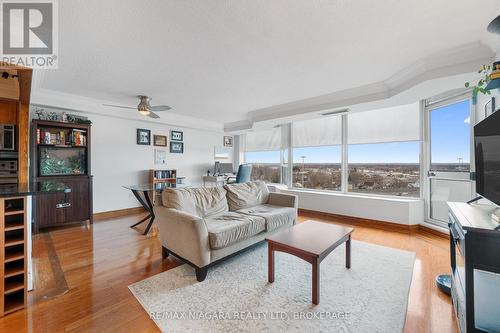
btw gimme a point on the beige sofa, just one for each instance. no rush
(204, 225)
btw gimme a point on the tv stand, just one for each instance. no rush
(475, 266)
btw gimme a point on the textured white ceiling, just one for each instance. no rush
(220, 59)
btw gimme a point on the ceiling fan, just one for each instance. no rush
(144, 107)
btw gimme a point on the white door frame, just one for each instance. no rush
(427, 106)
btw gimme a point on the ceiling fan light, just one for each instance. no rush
(143, 109)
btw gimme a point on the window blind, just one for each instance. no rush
(263, 140)
(400, 123)
(325, 131)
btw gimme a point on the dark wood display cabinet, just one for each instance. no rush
(61, 152)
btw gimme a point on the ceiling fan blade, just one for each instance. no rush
(121, 106)
(160, 108)
(153, 115)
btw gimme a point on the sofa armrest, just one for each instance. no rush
(282, 199)
(184, 234)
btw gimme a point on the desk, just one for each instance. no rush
(145, 200)
(216, 180)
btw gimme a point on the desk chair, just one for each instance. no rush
(243, 175)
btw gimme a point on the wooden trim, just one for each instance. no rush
(432, 231)
(376, 224)
(2, 255)
(25, 76)
(118, 213)
(23, 134)
(25, 221)
(9, 301)
(351, 220)
(54, 123)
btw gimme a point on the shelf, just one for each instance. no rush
(13, 284)
(14, 238)
(14, 221)
(13, 257)
(14, 206)
(14, 268)
(15, 227)
(60, 146)
(14, 212)
(13, 302)
(12, 242)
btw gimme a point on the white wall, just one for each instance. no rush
(395, 210)
(117, 160)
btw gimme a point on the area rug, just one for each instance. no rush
(371, 296)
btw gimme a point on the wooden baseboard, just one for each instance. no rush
(370, 223)
(118, 213)
(376, 224)
(432, 231)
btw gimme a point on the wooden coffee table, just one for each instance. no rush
(311, 241)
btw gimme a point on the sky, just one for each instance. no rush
(450, 139)
(450, 133)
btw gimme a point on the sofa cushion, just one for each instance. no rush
(245, 195)
(275, 216)
(231, 227)
(201, 201)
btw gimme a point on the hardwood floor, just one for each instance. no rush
(82, 274)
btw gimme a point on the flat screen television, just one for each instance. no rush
(487, 155)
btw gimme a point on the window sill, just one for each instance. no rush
(354, 195)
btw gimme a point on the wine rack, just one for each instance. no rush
(13, 236)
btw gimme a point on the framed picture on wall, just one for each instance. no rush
(160, 156)
(176, 147)
(143, 137)
(176, 136)
(228, 141)
(160, 140)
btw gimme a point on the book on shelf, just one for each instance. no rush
(79, 138)
(61, 137)
(164, 174)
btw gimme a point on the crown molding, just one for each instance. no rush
(460, 60)
(51, 99)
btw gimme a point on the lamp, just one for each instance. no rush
(143, 109)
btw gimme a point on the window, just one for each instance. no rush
(384, 151)
(263, 151)
(379, 152)
(317, 168)
(317, 154)
(385, 168)
(266, 165)
(450, 137)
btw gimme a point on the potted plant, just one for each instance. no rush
(480, 86)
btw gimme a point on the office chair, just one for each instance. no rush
(243, 175)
